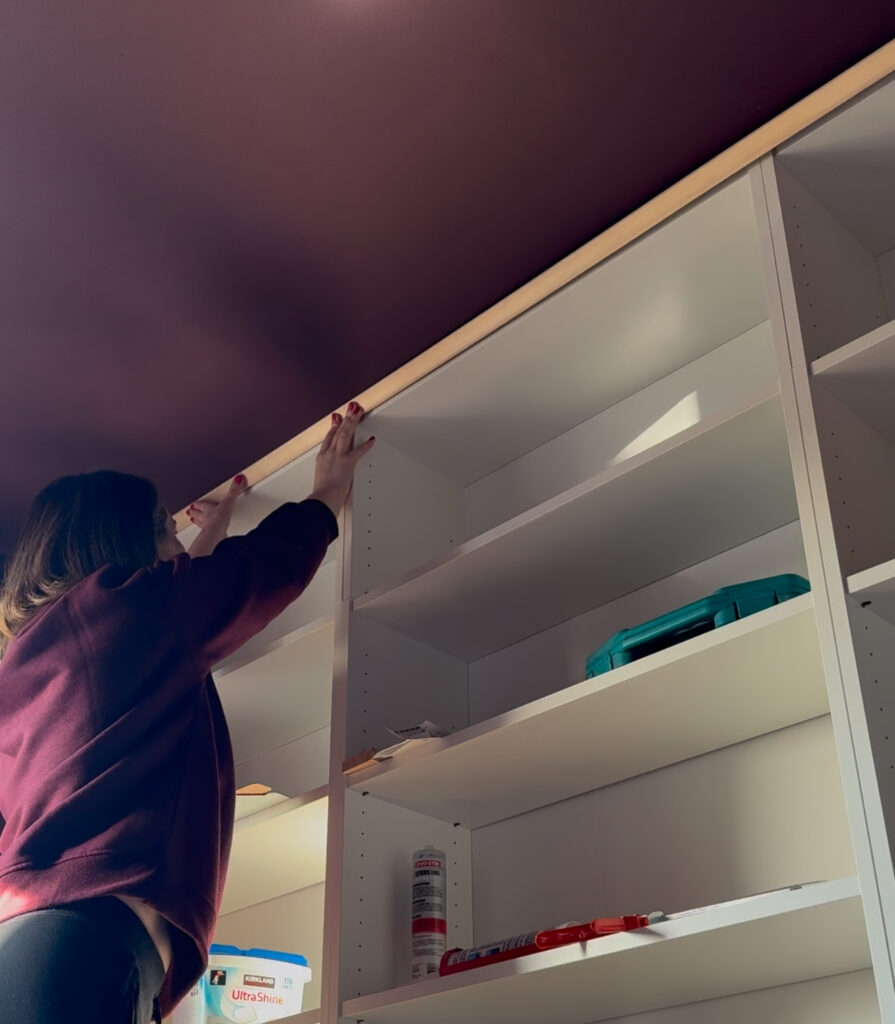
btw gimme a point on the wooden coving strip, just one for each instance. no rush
(719, 169)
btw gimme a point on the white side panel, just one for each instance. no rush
(556, 658)
(843, 999)
(858, 471)
(292, 483)
(296, 767)
(715, 383)
(335, 839)
(756, 816)
(283, 852)
(846, 706)
(291, 924)
(317, 602)
(874, 640)
(281, 696)
(837, 281)
(403, 513)
(379, 842)
(395, 682)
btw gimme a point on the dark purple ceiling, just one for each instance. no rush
(220, 219)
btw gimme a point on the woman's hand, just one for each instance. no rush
(213, 518)
(334, 470)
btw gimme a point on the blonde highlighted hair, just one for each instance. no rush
(76, 525)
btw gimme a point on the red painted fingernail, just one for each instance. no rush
(240, 479)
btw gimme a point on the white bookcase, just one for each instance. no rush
(277, 692)
(712, 404)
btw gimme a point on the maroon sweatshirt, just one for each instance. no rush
(116, 771)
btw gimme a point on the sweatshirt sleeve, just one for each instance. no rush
(225, 598)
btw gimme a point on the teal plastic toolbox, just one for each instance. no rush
(726, 605)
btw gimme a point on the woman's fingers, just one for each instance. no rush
(204, 507)
(345, 435)
(335, 465)
(238, 485)
(331, 433)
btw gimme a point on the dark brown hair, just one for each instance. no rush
(76, 525)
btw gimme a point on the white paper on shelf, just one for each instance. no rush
(731, 903)
(409, 739)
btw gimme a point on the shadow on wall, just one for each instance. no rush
(170, 297)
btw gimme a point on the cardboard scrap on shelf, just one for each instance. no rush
(362, 760)
(408, 739)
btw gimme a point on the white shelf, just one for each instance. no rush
(272, 806)
(249, 806)
(707, 489)
(777, 939)
(876, 585)
(861, 375)
(278, 708)
(278, 850)
(743, 680)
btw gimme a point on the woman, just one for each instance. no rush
(116, 773)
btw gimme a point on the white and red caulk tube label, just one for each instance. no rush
(428, 911)
(518, 945)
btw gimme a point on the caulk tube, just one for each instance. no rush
(428, 911)
(536, 942)
(518, 945)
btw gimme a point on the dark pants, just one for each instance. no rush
(87, 963)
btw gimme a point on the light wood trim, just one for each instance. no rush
(742, 154)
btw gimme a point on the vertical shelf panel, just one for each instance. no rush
(380, 839)
(874, 645)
